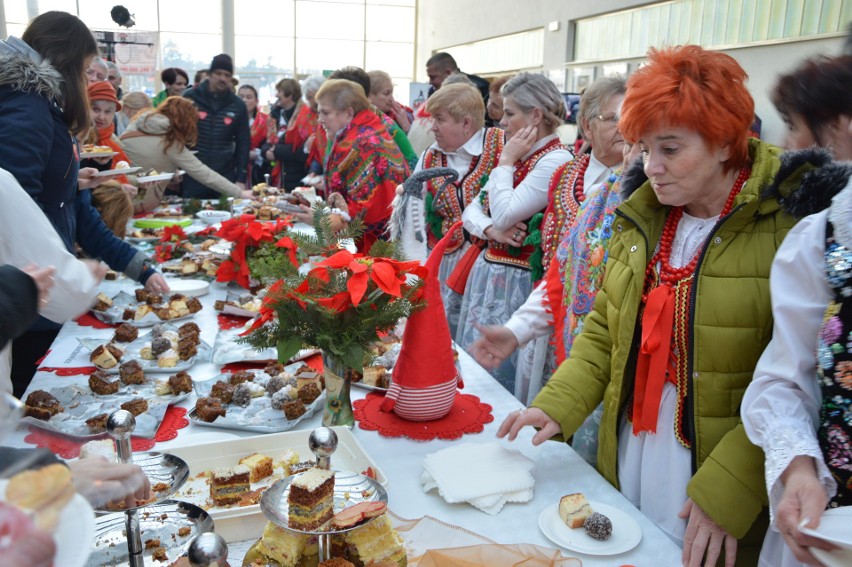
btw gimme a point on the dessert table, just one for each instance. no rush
(558, 469)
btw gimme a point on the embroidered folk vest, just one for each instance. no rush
(834, 370)
(445, 207)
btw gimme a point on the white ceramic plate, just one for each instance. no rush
(626, 533)
(123, 171)
(834, 527)
(152, 178)
(190, 288)
(835, 558)
(76, 525)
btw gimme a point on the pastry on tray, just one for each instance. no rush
(208, 409)
(131, 372)
(311, 499)
(228, 485)
(136, 406)
(102, 384)
(42, 405)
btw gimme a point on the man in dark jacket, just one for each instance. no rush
(442, 65)
(223, 128)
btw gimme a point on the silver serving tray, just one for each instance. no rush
(132, 351)
(114, 314)
(159, 468)
(350, 488)
(110, 546)
(85, 404)
(258, 417)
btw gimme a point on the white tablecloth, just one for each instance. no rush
(558, 469)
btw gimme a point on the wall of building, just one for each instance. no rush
(445, 23)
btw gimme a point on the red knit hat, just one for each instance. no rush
(426, 356)
(102, 90)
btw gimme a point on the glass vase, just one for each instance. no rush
(338, 404)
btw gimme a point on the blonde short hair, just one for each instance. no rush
(343, 94)
(458, 100)
(135, 101)
(378, 79)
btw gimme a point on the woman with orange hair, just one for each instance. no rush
(684, 310)
(158, 139)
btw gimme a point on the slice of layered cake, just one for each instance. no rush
(228, 486)
(376, 543)
(311, 499)
(259, 465)
(281, 545)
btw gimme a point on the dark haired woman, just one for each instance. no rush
(259, 126)
(43, 104)
(176, 81)
(814, 101)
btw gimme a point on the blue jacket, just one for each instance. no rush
(38, 149)
(224, 138)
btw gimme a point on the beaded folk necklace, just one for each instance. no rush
(665, 325)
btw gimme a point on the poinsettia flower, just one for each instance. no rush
(389, 275)
(173, 233)
(339, 302)
(290, 247)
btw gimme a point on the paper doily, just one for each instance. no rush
(468, 415)
(69, 448)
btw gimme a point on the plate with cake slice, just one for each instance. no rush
(593, 528)
(166, 348)
(271, 400)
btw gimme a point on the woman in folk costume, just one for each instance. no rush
(303, 126)
(259, 125)
(499, 280)
(798, 407)
(570, 187)
(684, 311)
(363, 163)
(461, 143)
(425, 376)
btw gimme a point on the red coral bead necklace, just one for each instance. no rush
(670, 275)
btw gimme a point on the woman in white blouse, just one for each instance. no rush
(517, 189)
(800, 387)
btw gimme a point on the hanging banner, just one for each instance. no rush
(135, 53)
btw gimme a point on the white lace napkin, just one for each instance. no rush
(484, 475)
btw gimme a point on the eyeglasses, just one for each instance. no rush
(611, 118)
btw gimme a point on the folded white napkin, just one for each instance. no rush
(484, 475)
